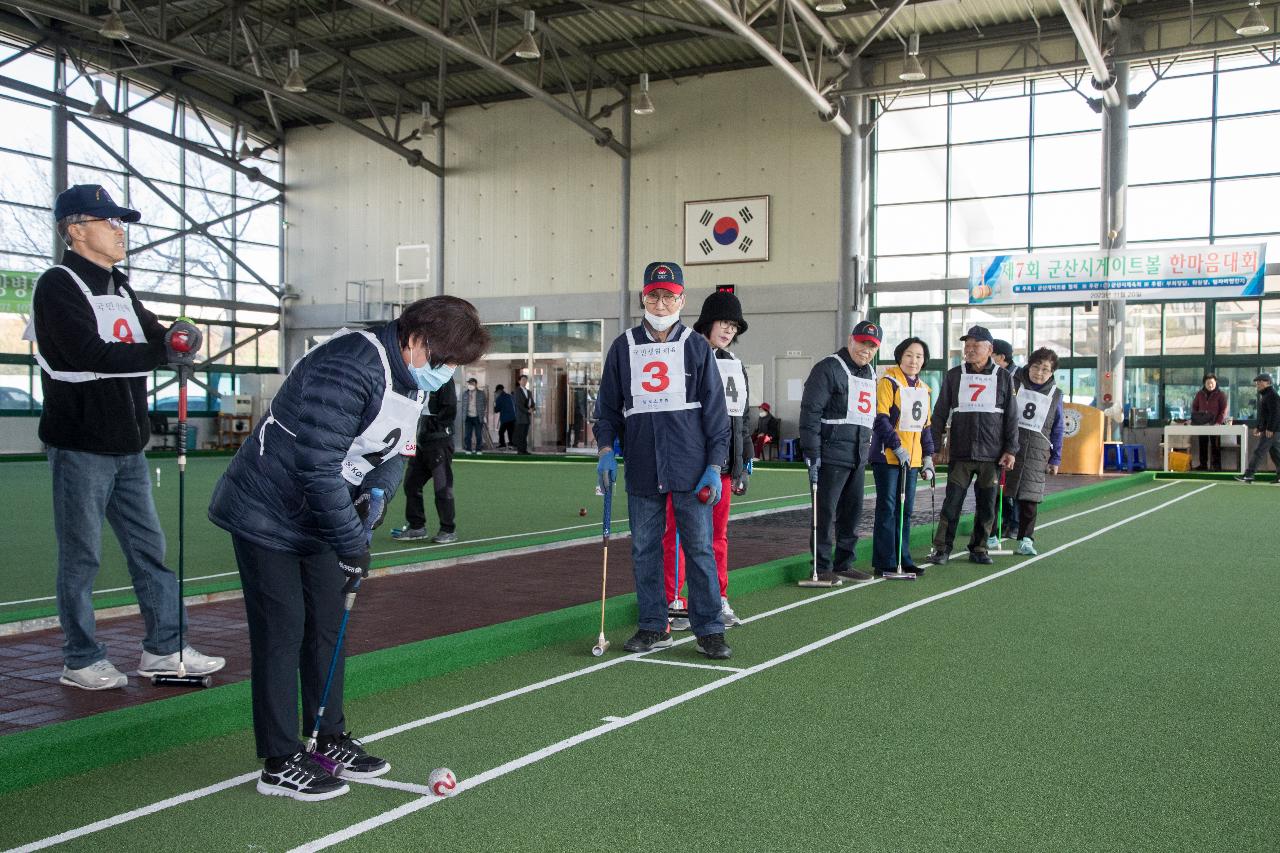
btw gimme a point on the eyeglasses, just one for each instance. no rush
(665, 299)
(117, 224)
(729, 326)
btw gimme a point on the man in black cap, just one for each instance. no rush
(1265, 428)
(96, 345)
(977, 399)
(1002, 355)
(837, 411)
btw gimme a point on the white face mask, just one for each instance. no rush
(661, 324)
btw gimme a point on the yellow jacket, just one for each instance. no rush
(886, 439)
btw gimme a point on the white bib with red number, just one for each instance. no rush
(117, 324)
(734, 380)
(657, 375)
(914, 408)
(1033, 409)
(978, 392)
(862, 399)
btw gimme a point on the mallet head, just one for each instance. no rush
(601, 646)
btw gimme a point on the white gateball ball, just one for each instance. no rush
(442, 782)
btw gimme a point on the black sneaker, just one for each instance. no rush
(853, 574)
(938, 558)
(349, 752)
(712, 645)
(982, 558)
(831, 578)
(300, 777)
(916, 570)
(645, 641)
(1245, 478)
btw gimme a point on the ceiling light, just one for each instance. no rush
(644, 104)
(829, 6)
(294, 82)
(528, 48)
(112, 25)
(245, 151)
(1253, 24)
(100, 109)
(912, 71)
(426, 130)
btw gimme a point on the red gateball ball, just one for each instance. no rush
(582, 511)
(704, 494)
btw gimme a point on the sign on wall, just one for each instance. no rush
(1173, 272)
(726, 230)
(15, 291)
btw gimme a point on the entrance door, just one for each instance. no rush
(789, 374)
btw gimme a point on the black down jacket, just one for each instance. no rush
(287, 493)
(977, 436)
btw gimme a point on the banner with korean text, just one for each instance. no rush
(1172, 272)
(15, 291)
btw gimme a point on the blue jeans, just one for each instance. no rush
(884, 553)
(472, 433)
(648, 519)
(87, 486)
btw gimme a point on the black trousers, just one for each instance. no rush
(1027, 512)
(504, 433)
(522, 437)
(959, 474)
(1210, 452)
(1264, 448)
(840, 501)
(435, 464)
(294, 607)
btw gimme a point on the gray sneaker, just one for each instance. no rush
(96, 676)
(727, 616)
(409, 534)
(680, 623)
(194, 662)
(443, 538)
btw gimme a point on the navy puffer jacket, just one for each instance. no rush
(287, 493)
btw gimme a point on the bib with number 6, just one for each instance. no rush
(978, 392)
(657, 375)
(1033, 409)
(914, 410)
(734, 380)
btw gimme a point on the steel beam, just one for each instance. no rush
(1102, 76)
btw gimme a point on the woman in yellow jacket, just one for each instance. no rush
(901, 449)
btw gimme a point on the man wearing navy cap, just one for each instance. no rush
(977, 399)
(661, 396)
(96, 345)
(1264, 429)
(837, 411)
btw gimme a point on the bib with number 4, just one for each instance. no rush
(1033, 409)
(914, 410)
(657, 375)
(734, 380)
(978, 392)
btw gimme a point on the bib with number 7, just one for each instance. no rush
(978, 392)
(657, 375)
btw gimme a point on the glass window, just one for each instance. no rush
(25, 230)
(988, 223)
(1084, 331)
(916, 175)
(894, 298)
(1142, 328)
(1171, 99)
(1068, 162)
(1242, 397)
(1236, 327)
(1084, 386)
(1184, 328)
(508, 337)
(26, 127)
(990, 168)
(1246, 205)
(999, 118)
(911, 228)
(1063, 111)
(1150, 207)
(1249, 91)
(1170, 152)
(567, 337)
(896, 326)
(1051, 327)
(911, 268)
(25, 179)
(1180, 387)
(928, 327)
(1142, 391)
(1239, 151)
(1269, 331)
(910, 128)
(1061, 219)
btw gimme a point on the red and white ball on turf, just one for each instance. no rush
(442, 782)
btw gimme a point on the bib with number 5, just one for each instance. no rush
(657, 375)
(978, 392)
(1033, 409)
(861, 409)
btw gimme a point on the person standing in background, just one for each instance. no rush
(1209, 406)
(474, 403)
(506, 410)
(525, 407)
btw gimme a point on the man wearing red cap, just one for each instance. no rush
(836, 415)
(661, 396)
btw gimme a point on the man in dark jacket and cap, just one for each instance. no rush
(296, 499)
(432, 460)
(1265, 429)
(96, 346)
(837, 412)
(977, 400)
(721, 323)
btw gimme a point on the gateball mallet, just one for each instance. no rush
(904, 471)
(377, 501)
(812, 581)
(1000, 516)
(180, 343)
(602, 643)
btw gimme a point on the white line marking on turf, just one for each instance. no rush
(511, 694)
(610, 719)
(689, 664)
(570, 742)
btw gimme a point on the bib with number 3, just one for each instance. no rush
(978, 392)
(657, 376)
(1033, 409)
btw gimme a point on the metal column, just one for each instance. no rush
(1115, 185)
(441, 130)
(850, 292)
(59, 152)
(624, 228)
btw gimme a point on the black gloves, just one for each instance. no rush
(362, 504)
(355, 567)
(182, 342)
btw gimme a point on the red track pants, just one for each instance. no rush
(719, 543)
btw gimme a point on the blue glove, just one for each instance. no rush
(710, 480)
(606, 471)
(814, 463)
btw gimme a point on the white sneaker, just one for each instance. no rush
(727, 616)
(1026, 548)
(96, 676)
(993, 543)
(195, 663)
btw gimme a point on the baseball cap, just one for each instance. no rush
(978, 333)
(1262, 377)
(765, 407)
(867, 331)
(663, 275)
(91, 200)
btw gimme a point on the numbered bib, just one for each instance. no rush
(657, 376)
(914, 409)
(861, 406)
(392, 431)
(978, 392)
(1033, 409)
(734, 380)
(117, 324)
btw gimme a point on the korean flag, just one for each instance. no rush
(726, 231)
